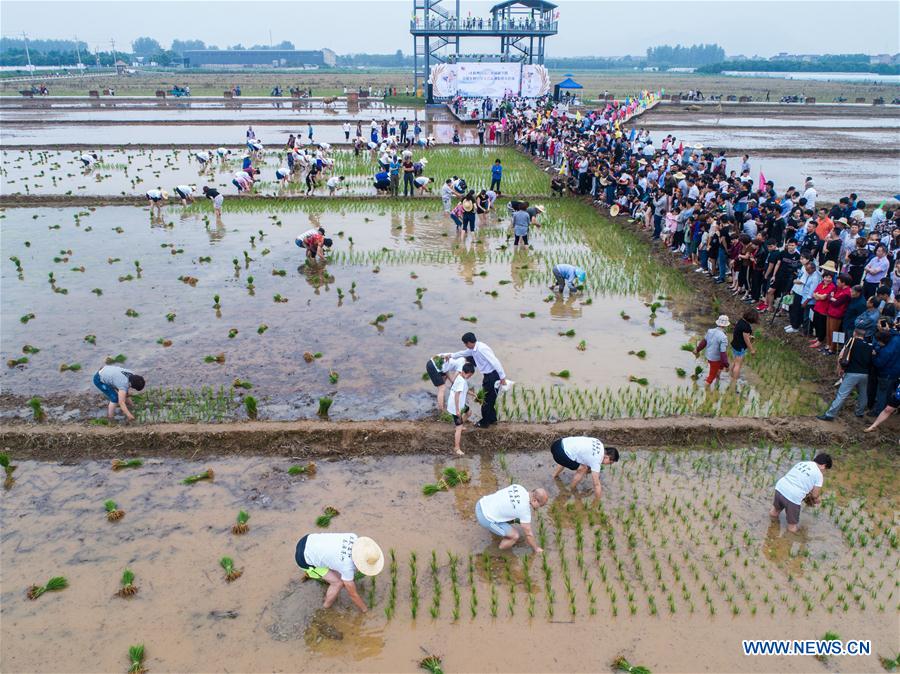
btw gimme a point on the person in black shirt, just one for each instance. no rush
(742, 341)
(783, 270)
(857, 260)
(856, 359)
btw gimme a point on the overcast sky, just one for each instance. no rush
(586, 27)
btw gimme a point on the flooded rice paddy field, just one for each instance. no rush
(680, 546)
(100, 283)
(124, 172)
(36, 134)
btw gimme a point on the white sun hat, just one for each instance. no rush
(367, 556)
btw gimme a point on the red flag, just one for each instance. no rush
(762, 182)
(680, 147)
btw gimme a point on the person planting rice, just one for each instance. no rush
(115, 382)
(185, 193)
(255, 146)
(314, 242)
(88, 160)
(334, 184)
(203, 158)
(283, 175)
(335, 559)
(496, 512)
(583, 455)
(217, 199)
(456, 405)
(382, 182)
(493, 375)
(447, 373)
(156, 197)
(423, 185)
(242, 180)
(222, 153)
(716, 345)
(566, 276)
(802, 483)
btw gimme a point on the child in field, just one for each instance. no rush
(457, 406)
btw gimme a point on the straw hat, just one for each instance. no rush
(843, 221)
(642, 162)
(828, 267)
(698, 146)
(722, 321)
(541, 208)
(367, 556)
(679, 176)
(614, 210)
(165, 195)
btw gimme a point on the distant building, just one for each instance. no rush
(884, 59)
(805, 58)
(257, 58)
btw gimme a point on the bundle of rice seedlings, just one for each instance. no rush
(128, 587)
(327, 515)
(232, 333)
(564, 374)
(241, 526)
(250, 406)
(582, 345)
(113, 513)
(119, 464)
(242, 383)
(9, 469)
(70, 367)
(308, 469)
(308, 356)
(218, 358)
(29, 349)
(136, 655)
(53, 585)
(529, 314)
(567, 333)
(640, 354)
(638, 380)
(15, 362)
(324, 406)
(162, 341)
(620, 664)
(432, 489)
(432, 664)
(469, 319)
(37, 409)
(112, 360)
(90, 339)
(206, 475)
(454, 476)
(333, 377)
(261, 329)
(624, 315)
(231, 573)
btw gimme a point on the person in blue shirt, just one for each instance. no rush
(567, 275)
(382, 181)
(496, 175)
(394, 170)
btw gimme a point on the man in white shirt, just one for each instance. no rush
(347, 131)
(334, 184)
(335, 558)
(810, 195)
(493, 375)
(803, 482)
(88, 160)
(496, 512)
(583, 455)
(456, 404)
(185, 193)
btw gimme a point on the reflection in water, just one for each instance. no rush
(343, 632)
(566, 307)
(786, 550)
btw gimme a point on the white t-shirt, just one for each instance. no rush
(88, 159)
(332, 551)
(423, 181)
(507, 505)
(154, 194)
(185, 189)
(333, 182)
(810, 195)
(799, 481)
(584, 451)
(453, 365)
(461, 386)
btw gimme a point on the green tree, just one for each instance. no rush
(146, 46)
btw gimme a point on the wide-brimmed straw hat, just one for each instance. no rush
(367, 556)
(723, 321)
(843, 221)
(541, 208)
(604, 182)
(165, 195)
(614, 210)
(828, 267)
(679, 176)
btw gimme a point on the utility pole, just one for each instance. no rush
(78, 51)
(27, 54)
(112, 44)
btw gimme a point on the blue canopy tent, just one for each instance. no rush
(567, 83)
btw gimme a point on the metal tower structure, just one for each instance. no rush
(522, 26)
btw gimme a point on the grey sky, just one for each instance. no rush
(587, 27)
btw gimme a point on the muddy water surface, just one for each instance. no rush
(676, 567)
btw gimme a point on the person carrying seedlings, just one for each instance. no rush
(217, 199)
(493, 375)
(115, 382)
(802, 483)
(716, 345)
(566, 275)
(457, 406)
(156, 197)
(583, 455)
(334, 559)
(185, 193)
(496, 512)
(449, 370)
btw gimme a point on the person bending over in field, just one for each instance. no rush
(583, 455)
(315, 243)
(334, 559)
(115, 383)
(802, 484)
(156, 197)
(185, 193)
(217, 199)
(496, 512)
(456, 404)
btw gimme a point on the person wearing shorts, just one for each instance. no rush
(334, 559)
(217, 199)
(114, 382)
(583, 455)
(185, 193)
(456, 405)
(567, 275)
(449, 369)
(521, 221)
(496, 512)
(156, 197)
(802, 482)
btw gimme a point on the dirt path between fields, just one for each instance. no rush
(70, 442)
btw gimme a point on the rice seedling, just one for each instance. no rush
(232, 333)
(208, 474)
(391, 605)
(113, 360)
(413, 586)
(8, 469)
(638, 380)
(113, 513)
(469, 319)
(640, 354)
(131, 313)
(55, 584)
(26, 318)
(308, 469)
(890, 664)
(128, 588)
(432, 664)
(136, 656)
(567, 333)
(530, 314)
(231, 573)
(70, 367)
(250, 406)
(432, 489)
(333, 377)
(218, 358)
(324, 520)
(119, 464)
(454, 476)
(620, 664)
(582, 345)
(435, 608)
(241, 526)
(562, 374)
(261, 329)
(324, 406)
(829, 636)
(242, 383)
